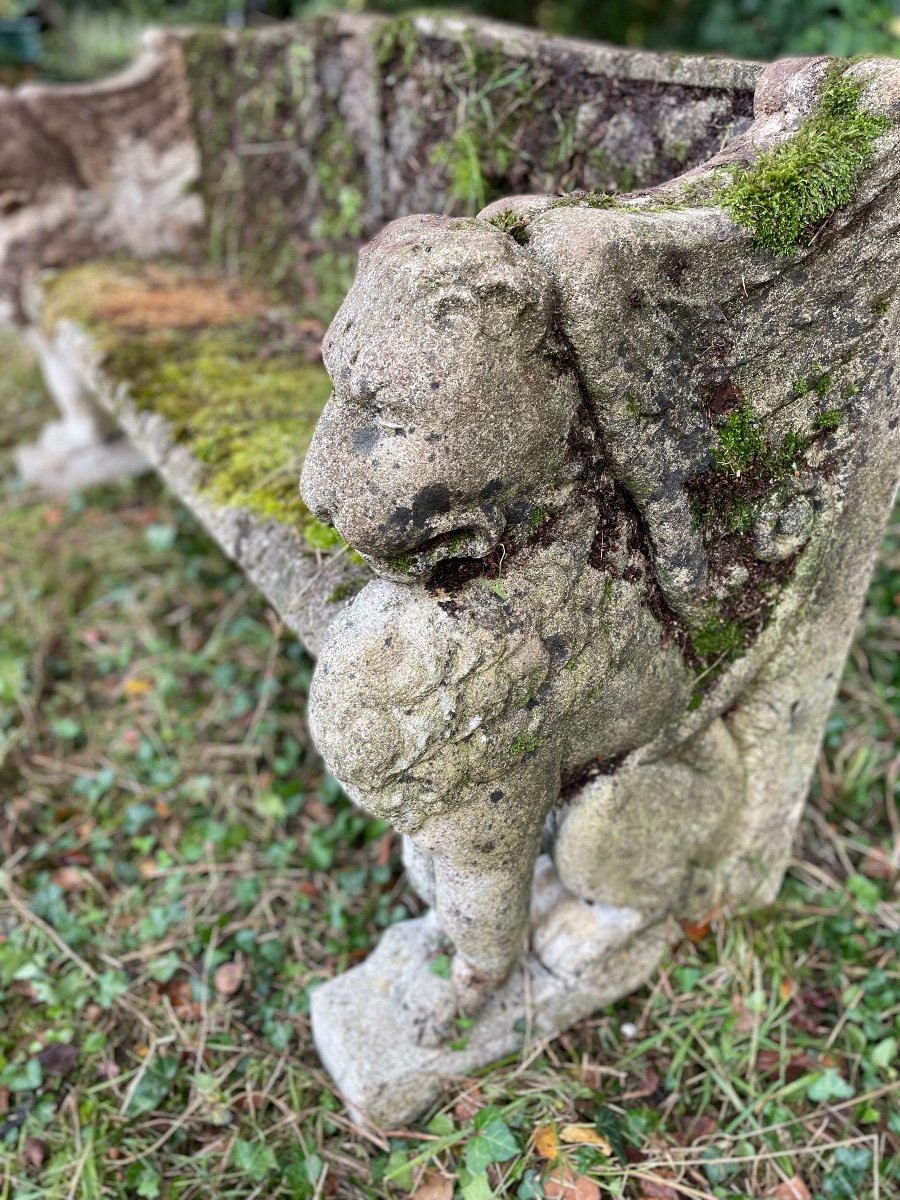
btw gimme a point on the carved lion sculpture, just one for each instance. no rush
(622, 475)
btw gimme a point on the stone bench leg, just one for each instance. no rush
(74, 452)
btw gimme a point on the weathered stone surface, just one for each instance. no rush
(286, 121)
(91, 168)
(473, 110)
(626, 472)
(304, 138)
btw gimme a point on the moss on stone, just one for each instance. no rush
(395, 43)
(511, 222)
(228, 372)
(345, 591)
(740, 441)
(741, 447)
(524, 743)
(828, 421)
(402, 563)
(790, 189)
(588, 200)
(716, 640)
(283, 181)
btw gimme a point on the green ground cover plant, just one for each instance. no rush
(177, 875)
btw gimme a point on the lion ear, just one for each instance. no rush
(505, 306)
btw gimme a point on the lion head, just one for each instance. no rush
(451, 403)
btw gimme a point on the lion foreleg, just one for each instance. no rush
(483, 855)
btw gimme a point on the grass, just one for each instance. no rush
(176, 875)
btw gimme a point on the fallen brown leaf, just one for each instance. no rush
(768, 1062)
(468, 1105)
(35, 1152)
(793, 1189)
(563, 1184)
(656, 1189)
(229, 977)
(385, 847)
(700, 1127)
(584, 1135)
(546, 1143)
(696, 931)
(70, 879)
(58, 1058)
(434, 1187)
(647, 1085)
(744, 1018)
(877, 864)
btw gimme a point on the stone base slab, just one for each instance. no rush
(60, 465)
(365, 1021)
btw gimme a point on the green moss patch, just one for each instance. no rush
(232, 376)
(790, 189)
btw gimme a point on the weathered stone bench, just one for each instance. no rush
(220, 387)
(619, 463)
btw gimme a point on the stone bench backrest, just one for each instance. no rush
(306, 138)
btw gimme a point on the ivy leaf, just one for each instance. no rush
(829, 1085)
(866, 893)
(495, 1143)
(608, 1125)
(144, 1180)
(851, 1171)
(884, 1055)
(66, 728)
(399, 1172)
(148, 1095)
(442, 1125)
(109, 987)
(23, 1077)
(478, 1188)
(530, 1187)
(255, 1159)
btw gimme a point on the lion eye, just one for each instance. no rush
(449, 305)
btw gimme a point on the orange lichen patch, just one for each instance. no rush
(140, 298)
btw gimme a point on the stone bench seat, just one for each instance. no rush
(218, 386)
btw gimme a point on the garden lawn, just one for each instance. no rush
(177, 875)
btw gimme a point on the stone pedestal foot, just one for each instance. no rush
(72, 453)
(61, 462)
(584, 956)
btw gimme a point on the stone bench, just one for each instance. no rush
(614, 468)
(219, 386)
